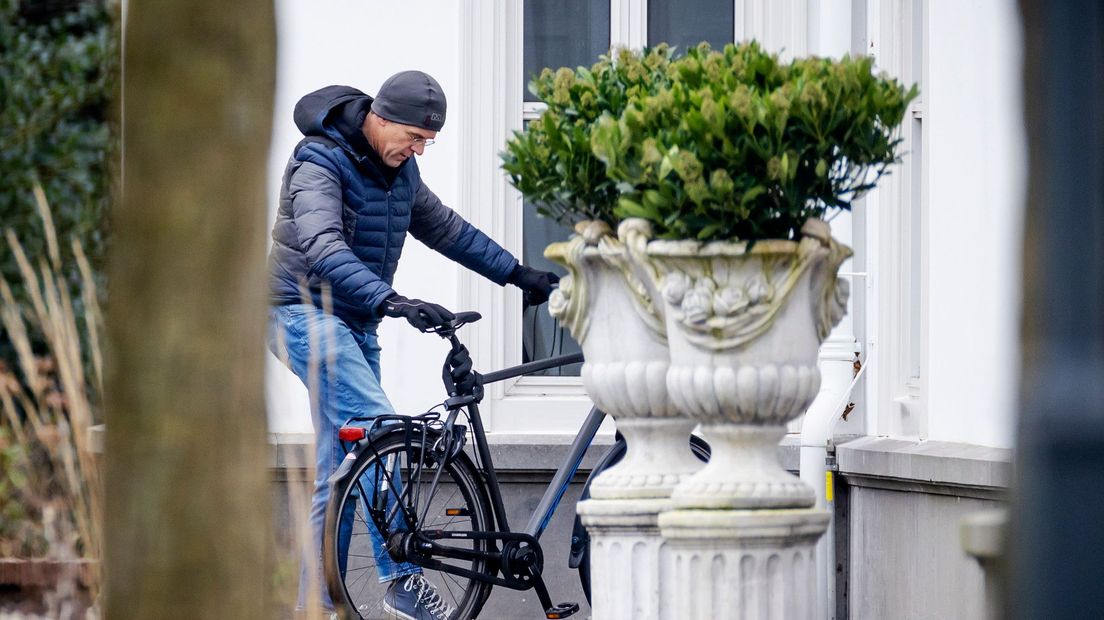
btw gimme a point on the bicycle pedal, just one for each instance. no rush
(562, 610)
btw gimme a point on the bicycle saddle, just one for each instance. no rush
(463, 318)
(459, 320)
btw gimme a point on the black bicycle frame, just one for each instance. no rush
(546, 508)
(542, 515)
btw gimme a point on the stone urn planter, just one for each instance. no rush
(744, 324)
(609, 303)
(611, 306)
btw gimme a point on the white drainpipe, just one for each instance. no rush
(838, 378)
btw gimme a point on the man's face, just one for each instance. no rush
(396, 143)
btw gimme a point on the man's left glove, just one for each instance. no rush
(537, 285)
(421, 314)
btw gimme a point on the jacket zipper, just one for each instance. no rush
(387, 239)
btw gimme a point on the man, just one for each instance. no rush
(351, 191)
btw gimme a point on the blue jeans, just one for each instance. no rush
(344, 382)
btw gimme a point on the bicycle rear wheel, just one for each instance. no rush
(449, 498)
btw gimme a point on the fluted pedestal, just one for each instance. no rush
(740, 564)
(627, 559)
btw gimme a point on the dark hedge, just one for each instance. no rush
(58, 78)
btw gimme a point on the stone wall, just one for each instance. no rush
(899, 510)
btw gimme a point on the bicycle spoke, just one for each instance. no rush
(454, 579)
(390, 512)
(363, 575)
(414, 491)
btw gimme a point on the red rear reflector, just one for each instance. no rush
(351, 433)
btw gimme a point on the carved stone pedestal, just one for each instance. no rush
(627, 559)
(741, 564)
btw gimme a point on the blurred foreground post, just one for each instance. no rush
(1057, 541)
(188, 513)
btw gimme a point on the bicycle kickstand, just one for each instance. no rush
(552, 612)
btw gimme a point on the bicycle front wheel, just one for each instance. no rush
(440, 494)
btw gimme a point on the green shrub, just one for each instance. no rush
(740, 146)
(551, 161)
(57, 80)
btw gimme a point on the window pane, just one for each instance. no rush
(542, 336)
(563, 33)
(689, 22)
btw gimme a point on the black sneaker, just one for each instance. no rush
(414, 598)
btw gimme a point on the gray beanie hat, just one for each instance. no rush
(411, 98)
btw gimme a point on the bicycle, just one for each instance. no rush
(437, 503)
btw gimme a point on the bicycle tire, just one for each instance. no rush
(356, 591)
(580, 539)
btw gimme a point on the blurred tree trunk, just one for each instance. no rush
(188, 511)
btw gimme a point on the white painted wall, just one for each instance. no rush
(976, 191)
(975, 187)
(360, 43)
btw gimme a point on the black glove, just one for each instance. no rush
(459, 370)
(536, 284)
(421, 314)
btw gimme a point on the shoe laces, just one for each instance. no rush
(428, 596)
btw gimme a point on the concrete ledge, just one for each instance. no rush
(532, 453)
(513, 452)
(926, 466)
(510, 451)
(289, 450)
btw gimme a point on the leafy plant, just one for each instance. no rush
(58, 74)
(551, 161)
(48, 402)
(739, 145)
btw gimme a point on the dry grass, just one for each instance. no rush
(48, 405)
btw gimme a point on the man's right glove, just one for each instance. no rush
(421, 314)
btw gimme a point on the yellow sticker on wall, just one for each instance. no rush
(828, 491)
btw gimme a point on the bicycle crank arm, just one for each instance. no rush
(532, 578)
(432, 549)
(438, 565)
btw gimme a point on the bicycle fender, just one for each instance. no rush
(344, 468)
(362, 446)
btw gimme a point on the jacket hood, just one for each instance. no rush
(335, 112)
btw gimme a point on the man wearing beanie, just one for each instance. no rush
(351, 192)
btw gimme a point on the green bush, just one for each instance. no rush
(740, 146)
(551, 161)
(58, 65)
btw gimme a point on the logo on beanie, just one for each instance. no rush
(435, 117)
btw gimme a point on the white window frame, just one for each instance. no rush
(897, 235)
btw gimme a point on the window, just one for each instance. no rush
(557, 34)
(687, 23)
(564, 33)
(543, 337)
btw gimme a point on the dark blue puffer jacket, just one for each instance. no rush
(343, 215)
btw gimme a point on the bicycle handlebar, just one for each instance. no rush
(448, 332)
